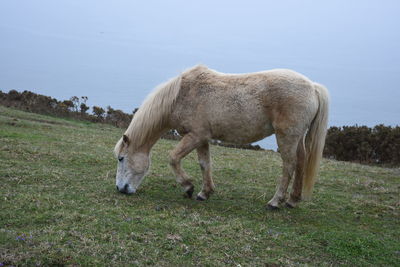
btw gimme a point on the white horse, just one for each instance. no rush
(203, 104)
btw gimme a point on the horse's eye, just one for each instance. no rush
(120, 158)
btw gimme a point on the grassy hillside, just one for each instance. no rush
(59, 206)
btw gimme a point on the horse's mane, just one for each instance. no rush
(152, 114)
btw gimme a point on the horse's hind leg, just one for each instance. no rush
(203, 153)
(297, 187)
(287, 146)
(185, 146)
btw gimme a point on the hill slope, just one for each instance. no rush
(59, 206)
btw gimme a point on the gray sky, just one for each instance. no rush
(116, 52)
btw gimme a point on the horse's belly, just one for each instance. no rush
(243, 133)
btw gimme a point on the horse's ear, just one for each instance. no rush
(125, 139)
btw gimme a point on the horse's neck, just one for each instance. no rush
(147, 146)
(151, 138)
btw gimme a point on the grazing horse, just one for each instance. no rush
(203, 104)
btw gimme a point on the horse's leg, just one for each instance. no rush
(287, 147)
(185, 146)
(203, 153)
(297, 187)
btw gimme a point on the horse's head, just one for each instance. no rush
(132, 166)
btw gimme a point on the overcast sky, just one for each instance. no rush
(116, 52)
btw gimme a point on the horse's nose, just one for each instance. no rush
(123, 190)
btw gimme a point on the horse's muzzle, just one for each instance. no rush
(125, 190)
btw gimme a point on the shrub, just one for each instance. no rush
(378, 145)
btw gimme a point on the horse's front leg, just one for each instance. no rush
(184, 147)
(203, 153)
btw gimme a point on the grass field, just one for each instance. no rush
(59, 206)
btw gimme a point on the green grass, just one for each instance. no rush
(59, 206)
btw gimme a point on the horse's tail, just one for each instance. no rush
(315, 140)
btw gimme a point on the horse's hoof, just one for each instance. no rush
(189, 192)
(271, 207)
(200, 198)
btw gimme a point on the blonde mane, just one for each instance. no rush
(152, 114)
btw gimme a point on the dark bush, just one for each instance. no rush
(378, 145)
(98, 112)
(74, 107)
(83, 108)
